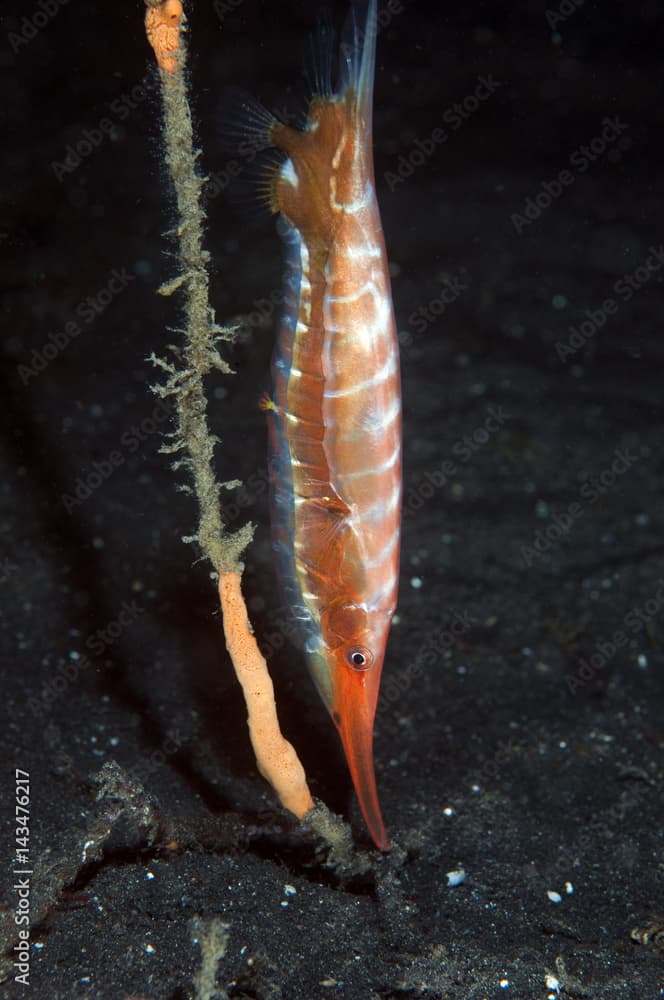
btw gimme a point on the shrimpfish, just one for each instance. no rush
(335, 410)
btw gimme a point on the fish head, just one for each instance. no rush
(347, 661)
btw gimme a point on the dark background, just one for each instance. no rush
(519, 734)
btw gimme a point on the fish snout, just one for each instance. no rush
(354, 717)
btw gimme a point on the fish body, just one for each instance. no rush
(336, 407)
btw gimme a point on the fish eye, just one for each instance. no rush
(359, 657)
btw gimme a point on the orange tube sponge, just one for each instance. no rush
(163, 22)
(275, 756)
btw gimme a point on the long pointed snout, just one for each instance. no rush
(355, 720)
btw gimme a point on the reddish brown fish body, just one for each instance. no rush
(336, 411)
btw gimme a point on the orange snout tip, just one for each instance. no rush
(357, 744)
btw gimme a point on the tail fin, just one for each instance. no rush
(357, 57)
(319, 58)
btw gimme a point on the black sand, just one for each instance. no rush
(520, 734)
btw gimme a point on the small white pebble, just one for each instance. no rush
(642, 661)
(416, 582)
(38, 945)
(555, 897)
(149, 875)
(150, 948)
(551, 982)
(284, 902)
(562, 744)
(504, 983)
(448, 811)
(290, 890)
(475, 788)
(456, 877)
(569, 888)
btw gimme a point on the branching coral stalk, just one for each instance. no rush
(276, 758)
(202, 334)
